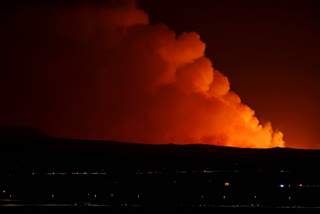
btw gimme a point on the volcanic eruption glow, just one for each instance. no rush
(107, 74)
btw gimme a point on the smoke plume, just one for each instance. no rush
(105, 73)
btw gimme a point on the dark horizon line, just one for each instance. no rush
(42, 134)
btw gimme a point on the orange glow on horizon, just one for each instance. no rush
(110, 75)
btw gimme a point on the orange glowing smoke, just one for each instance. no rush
(105, 73)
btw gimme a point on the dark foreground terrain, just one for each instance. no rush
(37, 170)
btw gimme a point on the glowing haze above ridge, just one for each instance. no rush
(107, 74)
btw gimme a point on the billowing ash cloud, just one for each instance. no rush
(106, 73)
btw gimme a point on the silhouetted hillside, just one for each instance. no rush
(18, 131)
(27, 151)
(50, 171)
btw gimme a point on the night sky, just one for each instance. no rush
(269, 50)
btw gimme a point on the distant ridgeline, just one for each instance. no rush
(26, 148)
(18, 131)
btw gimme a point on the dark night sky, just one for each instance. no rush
(268, 49)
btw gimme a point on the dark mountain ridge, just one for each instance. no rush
(44, 151)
